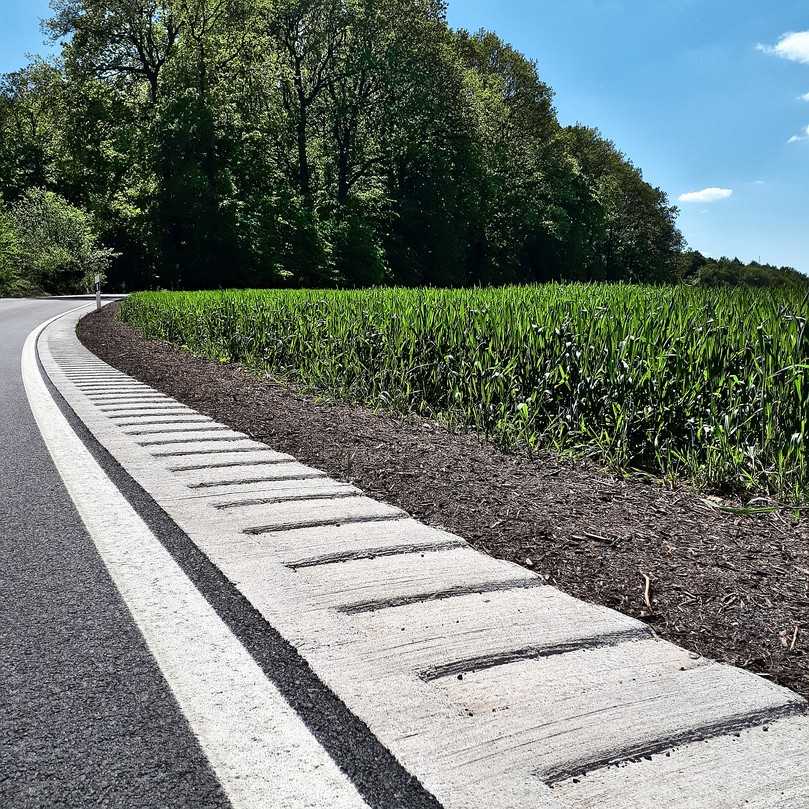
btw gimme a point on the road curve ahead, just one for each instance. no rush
(86, 717)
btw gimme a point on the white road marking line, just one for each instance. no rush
(259, 748)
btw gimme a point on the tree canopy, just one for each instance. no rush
(696, 269)
(48, 245)
(220, 143)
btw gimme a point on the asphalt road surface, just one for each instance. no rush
(86, 717)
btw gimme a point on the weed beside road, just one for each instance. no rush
(709, 385)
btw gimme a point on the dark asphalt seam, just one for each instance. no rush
(77, 380)
(227, 438)
(302, 498)
(116, 385)
(231, 464)
(95, 376)
(200, 420)
(79, 361)
(118, 420)
(146, 406)
(202, 429)
(247, 481)
(156, 414)
(139, 405)
(105, 399)
(142, 393)
(223, 451)
(114, 388)
(632, 753)
(377, 775)
(484, 662)
(110, 387)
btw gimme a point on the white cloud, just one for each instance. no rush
(803, 136)
(793, 46)
(706, 195)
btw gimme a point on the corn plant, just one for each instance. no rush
(712, 385)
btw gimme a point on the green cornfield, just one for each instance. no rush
(708, 385)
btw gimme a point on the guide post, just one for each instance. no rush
(98, 292)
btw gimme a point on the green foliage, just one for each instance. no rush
(11, 282)
(222, 143)
(637, 226)
(358, 258)
(709, 384)
(56, 247)
(232, 143)
(30, 130)
(725, 272)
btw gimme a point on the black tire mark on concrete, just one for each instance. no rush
(249, 481)
(233, 464)
(302, 498)
(376, 553)
(633, 753)
(484, 662)
(303, 524)
(439, 595)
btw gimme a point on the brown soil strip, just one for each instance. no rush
(731, 587)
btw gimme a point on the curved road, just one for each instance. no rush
(86, 717)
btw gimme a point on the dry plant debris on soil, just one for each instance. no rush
(725, 585)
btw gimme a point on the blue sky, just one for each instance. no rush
(681, 86)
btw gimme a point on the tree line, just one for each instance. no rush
(697, 269)
(228, 143)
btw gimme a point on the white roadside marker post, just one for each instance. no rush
(98, 292)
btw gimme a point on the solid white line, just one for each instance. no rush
(258, 747)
